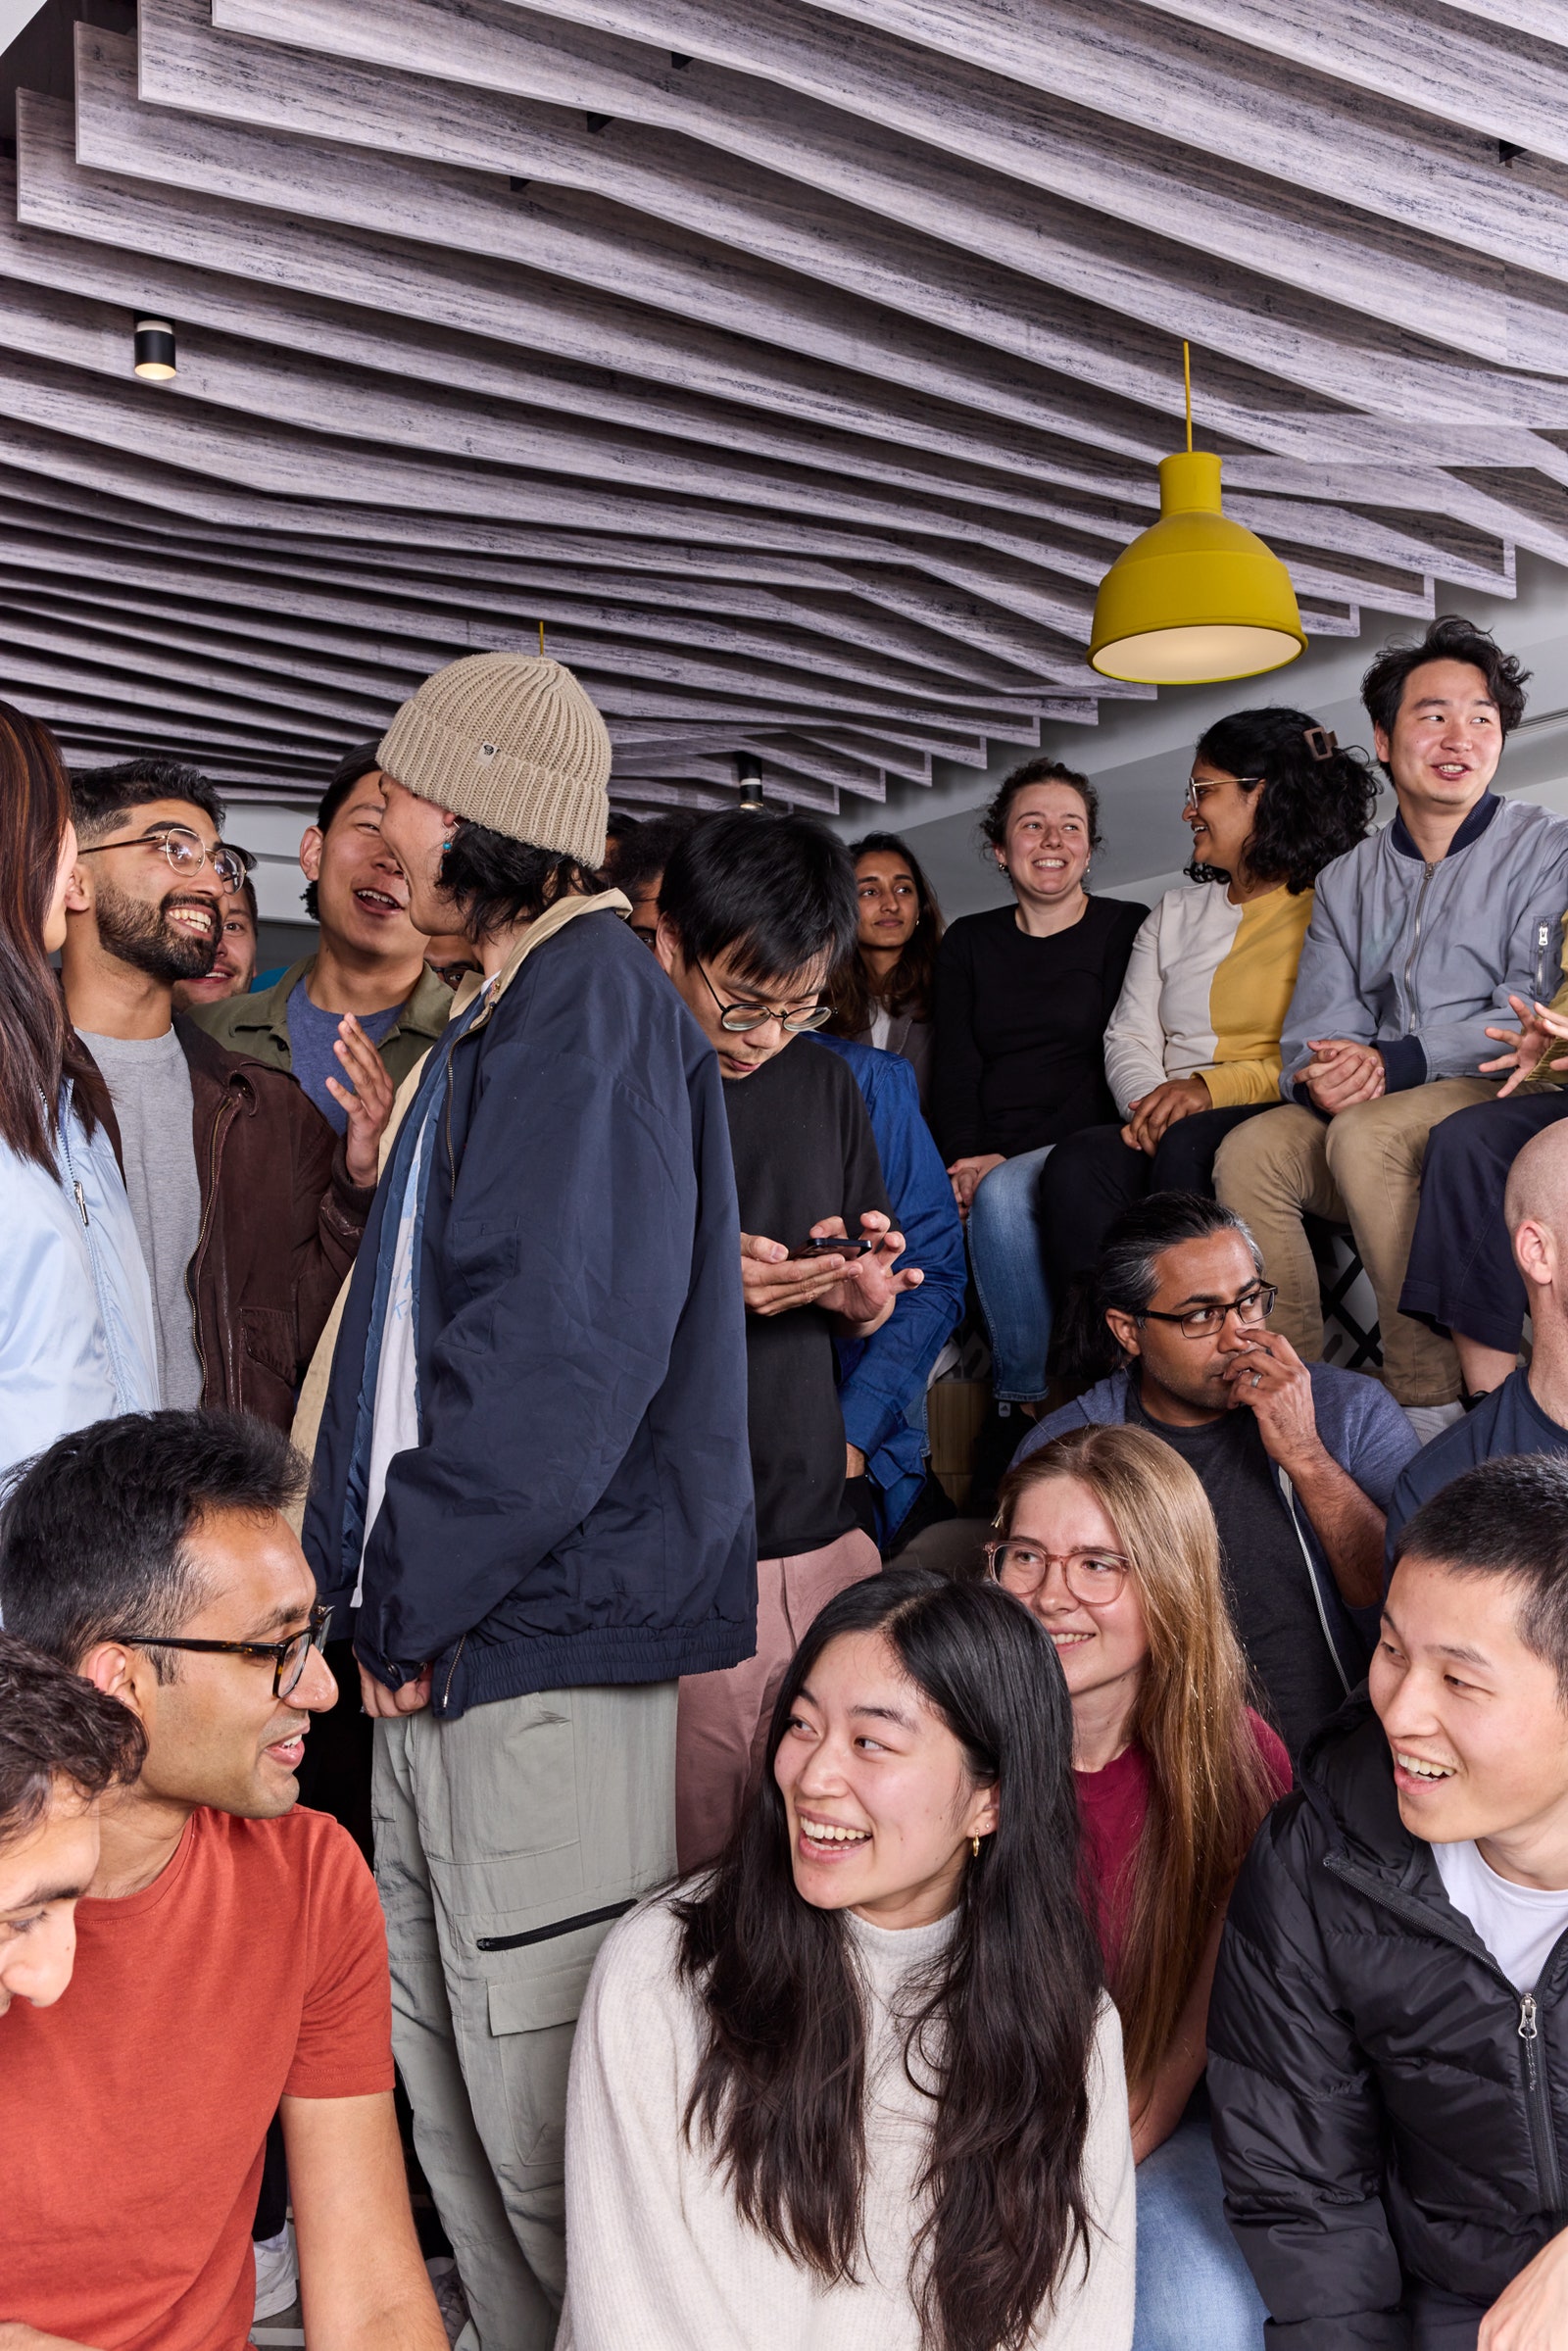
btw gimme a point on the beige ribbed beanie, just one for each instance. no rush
(510, 740)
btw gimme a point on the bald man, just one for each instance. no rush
(1528, 1412)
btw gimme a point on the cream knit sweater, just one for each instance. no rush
(659, 2259)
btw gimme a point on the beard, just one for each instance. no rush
(143, 935)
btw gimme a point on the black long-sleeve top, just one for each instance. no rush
(1020, 1028)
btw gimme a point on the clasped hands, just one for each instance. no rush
(1151, 1114)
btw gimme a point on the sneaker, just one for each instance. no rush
(278, 2273)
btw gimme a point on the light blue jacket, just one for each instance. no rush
(78, 1341)
(1417, 959)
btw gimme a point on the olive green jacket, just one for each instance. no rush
(259, 1024)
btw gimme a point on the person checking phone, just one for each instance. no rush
(755, 911)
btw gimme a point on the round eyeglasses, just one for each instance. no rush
(740, 1018)
(186, 853)
(287, 1657)
(1094, 1578)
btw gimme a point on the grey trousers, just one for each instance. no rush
(520, 1825)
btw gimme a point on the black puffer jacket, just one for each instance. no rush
(1391, 2117)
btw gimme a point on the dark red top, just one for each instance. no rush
(1111, 1804)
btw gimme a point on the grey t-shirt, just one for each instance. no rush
(312, 1037)
(149, 1083)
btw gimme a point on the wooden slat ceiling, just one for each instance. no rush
(800, 363)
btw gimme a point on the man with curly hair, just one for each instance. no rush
(1417, 941)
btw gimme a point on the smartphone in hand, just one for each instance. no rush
(834, 1248)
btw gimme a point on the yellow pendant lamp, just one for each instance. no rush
(1196, 598)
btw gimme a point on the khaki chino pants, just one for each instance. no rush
(1361, 1169)
(518, 1824)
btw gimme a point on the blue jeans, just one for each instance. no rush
(1194, 2291)
(1008, 1260)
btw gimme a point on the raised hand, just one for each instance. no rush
(368, 1099)
(1540, 1028)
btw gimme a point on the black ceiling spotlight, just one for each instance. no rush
(748, 775)
(155, 350)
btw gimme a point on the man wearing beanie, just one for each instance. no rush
(531, 1485)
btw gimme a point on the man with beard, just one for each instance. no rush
(248, 1212)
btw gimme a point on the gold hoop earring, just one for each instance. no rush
(974, 1848)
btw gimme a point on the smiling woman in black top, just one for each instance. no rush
(1022, 995)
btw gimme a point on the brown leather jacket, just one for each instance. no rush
(281, 1226)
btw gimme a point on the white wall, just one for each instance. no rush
(1140, 751)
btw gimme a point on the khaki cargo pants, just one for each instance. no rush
(507, 1842)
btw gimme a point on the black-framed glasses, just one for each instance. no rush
(1094, 1578)
(1251, 1309)
(740, 1018)
(186, 853)
(288, 1656)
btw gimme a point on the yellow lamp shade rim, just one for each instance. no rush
(1215, 652)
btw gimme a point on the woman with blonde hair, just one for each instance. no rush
(1107, 1537)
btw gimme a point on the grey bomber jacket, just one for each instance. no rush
(1417, 959)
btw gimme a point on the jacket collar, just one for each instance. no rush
(1474, 825)
(424, 1014)
(544, 926)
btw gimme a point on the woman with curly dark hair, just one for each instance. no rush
(1192, 1046)
(860, 2085)
(881, 993)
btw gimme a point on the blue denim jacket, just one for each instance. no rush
(882, 1380)
(78, 1341)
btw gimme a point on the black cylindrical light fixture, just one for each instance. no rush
(748, 775)
(155, 350)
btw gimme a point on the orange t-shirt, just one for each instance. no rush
(132, 2113)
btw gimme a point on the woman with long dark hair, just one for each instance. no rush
(1107, 1536)
(881, 993)
(1023, 993)
(1192, 1046)
(76, 1339)
(860, 2086)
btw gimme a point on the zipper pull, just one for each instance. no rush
(1527, 2016)
(1543, 944)
(81, 1200)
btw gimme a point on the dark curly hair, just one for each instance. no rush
(908, 982)
(1317, 804)
(1041, 770)
(1450, 638)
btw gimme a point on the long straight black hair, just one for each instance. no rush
(38, 1046)
(1005, 2021)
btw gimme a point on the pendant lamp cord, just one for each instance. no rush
(1187, 380)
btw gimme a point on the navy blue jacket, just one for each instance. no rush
(579, 1505)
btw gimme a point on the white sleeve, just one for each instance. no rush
(1097, 2307)
(638, 2280)
(1135, 1036)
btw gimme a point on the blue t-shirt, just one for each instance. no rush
(312, 1035)
(1508, 1421)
